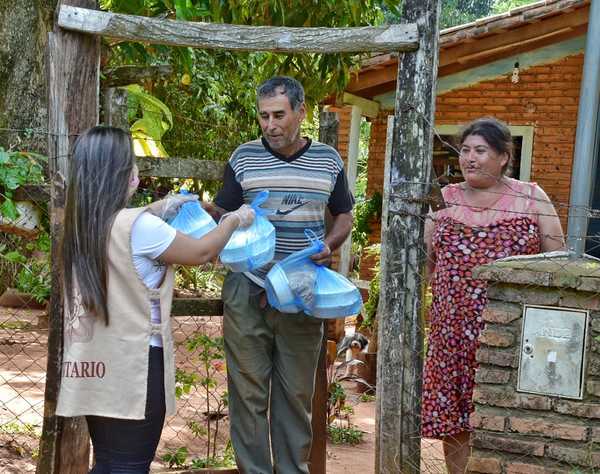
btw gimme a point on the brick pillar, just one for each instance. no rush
(523, 433)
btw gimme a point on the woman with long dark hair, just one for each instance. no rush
(118, 367)
(489, 216)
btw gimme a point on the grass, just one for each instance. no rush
(345, 435)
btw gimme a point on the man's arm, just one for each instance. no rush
(341, 226)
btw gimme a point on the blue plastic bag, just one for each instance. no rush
(297, 284)
(251, 247)
(193, 220)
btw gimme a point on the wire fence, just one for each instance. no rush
(527, 389)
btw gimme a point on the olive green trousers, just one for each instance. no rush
(271, 363)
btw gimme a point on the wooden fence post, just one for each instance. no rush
(399, 364)
(73, 63)
(328, 132)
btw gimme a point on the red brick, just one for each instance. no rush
(484, 465)
(502, 313)
(525, 468)
(496, 337)
(480, 419)
(501, 357)
(508, 444)
(555, 429)
(582, 456)
(506, 397)
(584, 410)
(492, 375)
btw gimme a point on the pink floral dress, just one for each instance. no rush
(463, 238)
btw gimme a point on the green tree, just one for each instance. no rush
(212, 92)
(501, 6)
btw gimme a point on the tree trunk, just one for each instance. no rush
(24, 27)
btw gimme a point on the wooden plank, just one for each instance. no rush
(197, 307)
(72, 107)
(329, 123)
(125, 75)
(318, 451)
(149, 166)
(35, 193)
(371, 79)
(115, 108)
(368, 108)
(180, 168)
(240, 37)
(403, 256)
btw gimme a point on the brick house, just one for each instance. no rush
(523, 67)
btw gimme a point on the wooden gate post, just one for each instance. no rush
(399, 363)
(73, 63)
(328, 133)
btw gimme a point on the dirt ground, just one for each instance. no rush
(22, 377)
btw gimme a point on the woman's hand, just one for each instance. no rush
(245, 215)
(168, 207)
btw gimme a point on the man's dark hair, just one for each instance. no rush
(284, 85)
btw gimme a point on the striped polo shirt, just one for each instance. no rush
(300, 187)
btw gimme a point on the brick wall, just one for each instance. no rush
(545, 97)
(522, 433)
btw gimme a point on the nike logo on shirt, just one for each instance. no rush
(284, 212)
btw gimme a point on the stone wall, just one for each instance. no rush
(523, 433)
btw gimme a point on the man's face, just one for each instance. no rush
(280, 124)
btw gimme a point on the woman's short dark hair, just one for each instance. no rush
(285, 85)
(98, 188)
(495, 133)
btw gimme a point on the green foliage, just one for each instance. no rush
(212, 93)
(17, 168)
(208, 355)
(369, 310)
(367, 397)
(344, 434)
(459, 12)
(176, 457)
(501, 6)
(31, 276)
(365, 211)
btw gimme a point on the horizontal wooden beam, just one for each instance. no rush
(148, 166)
(240, 37)
(373, 78)
(197, 307)
(180, 168)
(368, 108)
(125, 75)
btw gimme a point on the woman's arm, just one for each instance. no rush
(186, 250)
(550, 228)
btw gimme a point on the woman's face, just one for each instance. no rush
(134, 180)
(480, 164)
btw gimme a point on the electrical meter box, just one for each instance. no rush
(553, 346)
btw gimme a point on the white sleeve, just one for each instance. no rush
(150, 236)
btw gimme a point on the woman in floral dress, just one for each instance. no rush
(489, 216)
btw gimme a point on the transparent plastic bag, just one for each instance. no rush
(297, 284)
(192, 219)
(251, 247)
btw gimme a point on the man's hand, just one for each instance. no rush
(215, 211)
(323, 257)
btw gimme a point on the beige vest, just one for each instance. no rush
(105, 368)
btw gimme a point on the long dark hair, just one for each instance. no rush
(98, 187)
(495, 133)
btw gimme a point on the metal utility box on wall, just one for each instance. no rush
(553, 345)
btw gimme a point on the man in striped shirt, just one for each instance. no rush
(272, 357)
